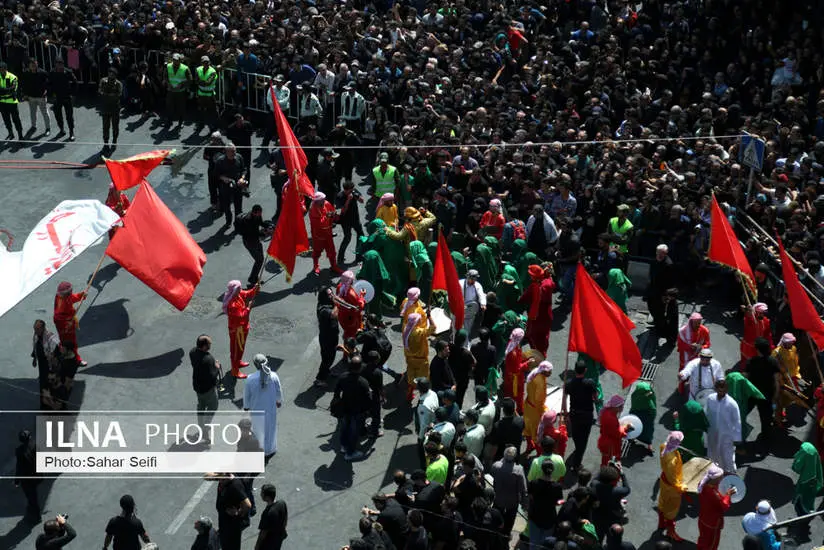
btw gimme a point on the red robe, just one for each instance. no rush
(612, 435)
(321, 220)
(754, 328)
(711, 508)
(515, 376)
(494, 224)
(350, 319)
(538, 296)
(238, 314)
(65, 319)
(119, 203)
(560, 436)
(687, 337)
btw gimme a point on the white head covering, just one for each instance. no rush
(411, 323)
(788, 338)
(346, 280)
(262, 364)
(714, 472)
(495, 206)
(514, 339)
(758, 521)
(544, 367)
(412, 296)
(760, 307)
(232, 290)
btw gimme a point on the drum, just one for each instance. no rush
(534, 353)
(367, 288)
(694, 471)
(730, 481)
(635, 422)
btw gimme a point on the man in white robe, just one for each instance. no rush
(702, 372)
(725, 427)
(474, 303)
(262, 394)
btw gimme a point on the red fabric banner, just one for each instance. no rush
(805, 317)
(725, 248)
(293, 154)
(445, 277)
(132, 171)
(290, 238)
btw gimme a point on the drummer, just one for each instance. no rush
(702, 373)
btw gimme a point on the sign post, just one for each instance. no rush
(751, 153)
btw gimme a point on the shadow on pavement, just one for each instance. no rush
(104, 323)
(215, 242)
(151, 367)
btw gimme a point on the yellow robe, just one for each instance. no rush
(788, 361)
(389, 214)
(417, 355)
(535, 405)
(672, 484)
(417, 308)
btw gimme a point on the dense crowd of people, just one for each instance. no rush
(533, 137)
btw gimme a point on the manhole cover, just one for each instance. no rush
(200, 307)
(273, 327)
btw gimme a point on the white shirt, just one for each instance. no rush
(473, 292)
(282, 94)
(325, 83)
(356, 105)
(701, 377)
(474, 439)
(447, 431)
(427, 404)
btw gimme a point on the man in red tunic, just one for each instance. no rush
(538, 296)
(350, 312)
(236, 307)
(65, 316)
(711, 508)
(612, 432)
(515, 370)
(492, 222)
(692, 338)
(756, 324)
(321, 218)
(117, 201)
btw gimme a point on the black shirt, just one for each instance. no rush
(62, 84)
(232, 169)
(26, 466)
(273, 521)
(581, 392)
(543, 499)
(207, 541)
(34, 83)
(241, 135)
(328, 326)
(353, 389)
(44, 542)
(761, 371)
(428, 500)
(393, 520)
(417, 540)
(460, 361)
(484, 354)
(205, 373)
(508, 431)
(126, 532)
(249, 227)
(440, 374)
(230, 494)
(349, 215)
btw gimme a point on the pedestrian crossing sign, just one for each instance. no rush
(751, 152)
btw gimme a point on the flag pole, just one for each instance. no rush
(566, 360)
(814, 347)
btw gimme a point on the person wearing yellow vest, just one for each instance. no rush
(8, 103)
(620, 229)
(178, 86)
(206, 79)
(385, 178)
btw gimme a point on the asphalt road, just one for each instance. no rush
(136, 346)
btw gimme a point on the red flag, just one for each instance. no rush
(445, 277)
(600, 329)
(154, 246)
(804, 314)
(725, 248)
(129, 172)
(293, 154)
(290, 238)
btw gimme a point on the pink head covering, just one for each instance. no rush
(674, 439)
(412, 296)
(714, 472)
(760, 307)
(346, 280)
(411, 323)
(696, 316)
(386, 197)
(232, 290)
(614, 402)
(495, 206)
(788, 338)
(317, 197)
(514, 339)
(547, 420)
(64, 288)
(544, 367)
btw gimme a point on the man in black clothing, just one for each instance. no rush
(251, 228)
(207, 537)
(233, 507)
(615, 539)
(240, 133)
(328, 334)
(544, 495)
(278, 178)
(508, 431)
(272, 521)
(661, 279)
(62, 84)
(309, 140)
(391, 516)
(327, 178)
(440, 373)
(582, 395)
(34, 85)
(205, 378)
(374, 376)
(26, 474)
(349, 219)
(126, 530)
(462, 364)
(354, 396)
(428, 497)
(764, 372)
(609, 495)
(373, 535)
(57, 533)
(211, 153)
(110, 90)
(484, 353)
(231, 173)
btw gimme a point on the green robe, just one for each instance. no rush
(693, 422)
(807, 465)
(393, 254)
(495, 246)
(509, 288)
(642, 405)
(743, 391)
(618, 288)
(486, 265)
(374, 271)
(594, 374)
(423, 268)
(528, 259)
(502, 329)
(460, 264)
(432, 251)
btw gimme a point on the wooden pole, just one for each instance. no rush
(814, 347)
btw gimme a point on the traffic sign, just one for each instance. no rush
(751, 152)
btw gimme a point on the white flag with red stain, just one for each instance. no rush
(62, 235)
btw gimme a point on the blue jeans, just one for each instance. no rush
(538, 535)
(568, 281)
(349, 431)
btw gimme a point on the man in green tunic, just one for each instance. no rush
(618, 288)
(391, 252)
(745, 394)
(807, 464)
(642, 405)
(502, 330)
(423, 268)
(509, 288)
(484, 261)
(374, 271)
(694, 424)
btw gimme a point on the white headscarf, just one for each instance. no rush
(411, 322)
(412, 296)
(346, 280)
(714, 472)
(514, 339)
(758, 521)
(232, 290)
(262, 364)
(544, 367)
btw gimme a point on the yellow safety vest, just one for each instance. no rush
(176, 78)
(384, 183)
(10, 81)
(204, 89)
(620, 230)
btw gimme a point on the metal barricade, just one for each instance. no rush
(250, 96)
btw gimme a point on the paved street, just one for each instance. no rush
(137, 344)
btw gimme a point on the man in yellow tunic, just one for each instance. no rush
(672, 485)
(412, 304)
(787, 356)
(535, 402)
(415, 228)
(416, 350)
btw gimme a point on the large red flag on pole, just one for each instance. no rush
(155, 246)
(445, 277)
(725, 248)
(600, 329)
(132, 171)
(293, 155)
(290, 238)
(805, 317)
